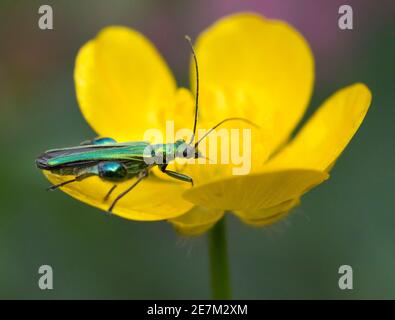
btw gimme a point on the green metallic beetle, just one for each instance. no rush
(116, 162)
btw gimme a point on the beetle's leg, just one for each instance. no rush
(140, 177)
(55, 186)
(77, 178)
(109, 193)
(176, 175)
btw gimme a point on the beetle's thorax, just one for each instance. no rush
(167, 152)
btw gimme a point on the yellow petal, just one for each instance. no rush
(235, 149)
(257, 68)
(153, 199)
(122, 84)
(321, 141)
(255, 191)
(196, 221)
(267, 216)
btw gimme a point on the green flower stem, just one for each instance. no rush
(219, 269)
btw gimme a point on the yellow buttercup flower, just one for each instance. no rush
(250, 67)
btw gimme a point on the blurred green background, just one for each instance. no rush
(348, 220)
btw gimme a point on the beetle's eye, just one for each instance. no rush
(185, 153)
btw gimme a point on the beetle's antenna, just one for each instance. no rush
(222, 122)
(197, 87)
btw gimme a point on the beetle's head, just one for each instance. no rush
(186, 151)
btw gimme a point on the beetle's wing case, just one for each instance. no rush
(87, 155)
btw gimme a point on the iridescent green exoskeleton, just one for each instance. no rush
(116, 162)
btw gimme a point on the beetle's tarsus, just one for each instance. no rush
(56, 186)
(107, 196)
